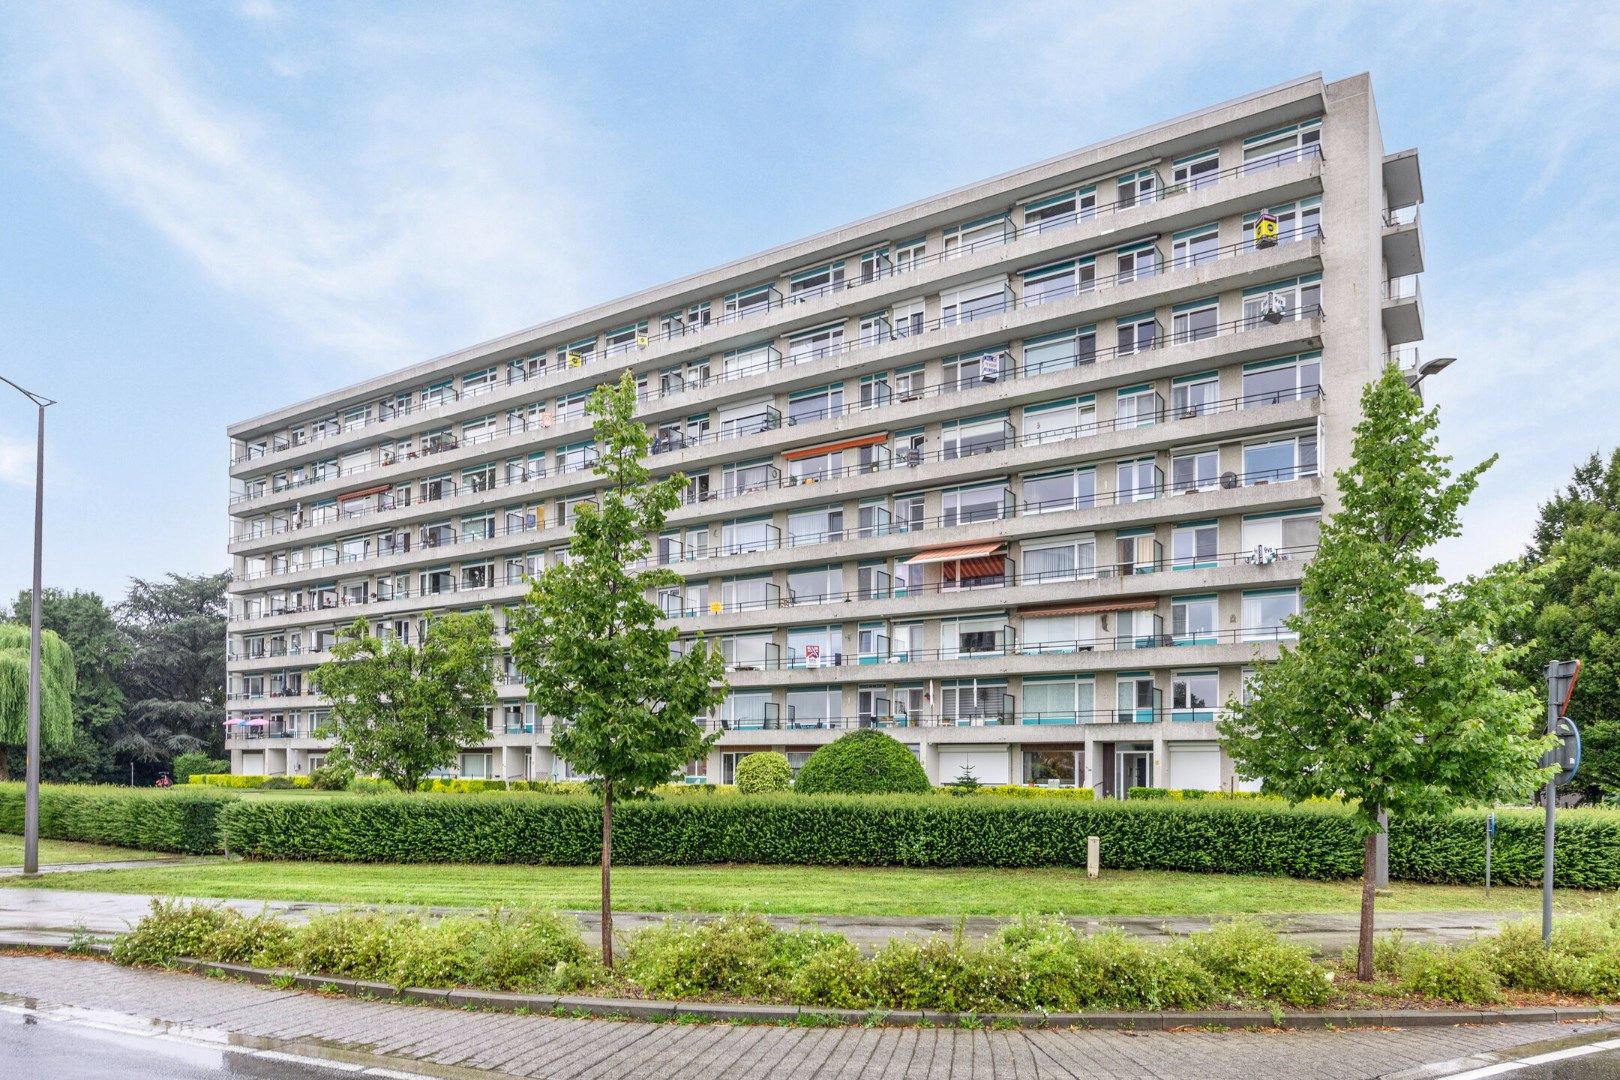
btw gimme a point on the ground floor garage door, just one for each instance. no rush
(989, 766)
(253, 763)
(1195, 766)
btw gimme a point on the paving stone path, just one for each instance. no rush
(449, 1041)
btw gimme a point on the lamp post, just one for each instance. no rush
(1429, 367)
(31, 798)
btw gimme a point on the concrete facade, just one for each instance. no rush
(1025, 474)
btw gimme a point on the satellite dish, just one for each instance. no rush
(1229, 480)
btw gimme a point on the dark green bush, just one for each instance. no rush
(862, 763)
(764, 772)
(1229, 836)
(332, 776)
(185, 764)
(176, 819)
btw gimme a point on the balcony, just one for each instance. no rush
(1403, 241)
(1403, 310)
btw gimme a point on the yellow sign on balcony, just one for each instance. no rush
(1265, 231)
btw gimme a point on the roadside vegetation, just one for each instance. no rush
(1034, 964)
(62, 852)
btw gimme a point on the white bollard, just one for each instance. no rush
(1093, 859)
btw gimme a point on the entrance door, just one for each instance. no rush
(1135, 770)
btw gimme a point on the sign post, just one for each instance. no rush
(1561, 676)
(1490, 835)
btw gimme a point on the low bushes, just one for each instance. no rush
(863, 762)
(178, 819)
(238, 781)
(1020, 791)
(1183, 794)
(1030, 965)
(1241, 837)
(764, 772)
(185, 766)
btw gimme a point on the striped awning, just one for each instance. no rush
(990, 566)
(1095, 608)
(954, 552)
(833, 447)
(363, 492)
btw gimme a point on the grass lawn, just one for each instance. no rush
(67, 851)
(792, 890)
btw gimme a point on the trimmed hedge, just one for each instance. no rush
(1239, 837)
(237, 780)
(863, 762)
(151, 819)
(1194, 794)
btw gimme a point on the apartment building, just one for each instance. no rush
(1025, 474)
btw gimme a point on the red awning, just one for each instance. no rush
(1095, 608)
(363, 492)
(954, 552)
(990, 566)
(843, 444)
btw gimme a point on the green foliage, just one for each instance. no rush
(1214, 836)
(1062, 970)
(56, 684)
(1250, 962)
(240, 781)
(966, 783)
(1460, 974)
(1583, 958)
(1575, 564)
(400, 710)
(100, 651)
(1186, 794)
(180, 819)
(733, 956)
(949, 974)
(1020, 791)
(764, 772)
(863, 762)
(333, 775)
(186, 766)
(1396, 692)
(173, 678)
(594, 647)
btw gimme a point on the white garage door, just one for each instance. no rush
(1195, 766)
(253, 763)
(989, 766)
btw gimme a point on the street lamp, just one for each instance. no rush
(1429, 367)
(31, 799)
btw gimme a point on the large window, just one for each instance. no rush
(965, 438)
(1282, 302)
(1134, 188)
(1295, 221)
(965, 505)
(1137, 481)
(1193, 545)
(972, 302)
(1277, 147)
(1195, 470)
(1058, 352)
(976, 235)
(1280, 459)
(1068, 559)
(818, 585)
(1196, 246)
(814, 344)
(1193, 620)
(1055, 211)
(1067, 700)
(816, 708)
(1195, 322)
(1195, 395)
(1197, 170)
(814, 646)
(1056, 282)
(1137, 406)
(1137, 333)
(1281, 535)
(1282, 380)
(980, 635)
(1194, 695)
(816, 404)
(1264, 612)
(738, 537)
(1059, 420)
(1074, 489)
(1137, 262)
(820, 526)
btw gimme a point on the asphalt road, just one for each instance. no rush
(32, 1048)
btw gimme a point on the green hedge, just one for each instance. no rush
(179, 819)
(238, 780)
(1242, 837)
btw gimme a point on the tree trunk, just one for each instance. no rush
(607, 874)
(1369, 875)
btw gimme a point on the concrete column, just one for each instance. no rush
(1161, 762)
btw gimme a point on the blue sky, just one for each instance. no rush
(212, 210)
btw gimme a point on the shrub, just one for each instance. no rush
(1250, 962)
(835, 977)
(1022, 791)
(237, 780)
(952, 975)
(764, 772)
(862, 763)
(735, 955)
(1458, 974)
(184, 765)
(1059, 970)
(332, 776)
(1229, 836)
(171, 929)
(178, 819)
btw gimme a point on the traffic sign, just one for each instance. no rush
(1566, 757)
(1561, 678)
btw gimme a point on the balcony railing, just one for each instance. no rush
(423, 403)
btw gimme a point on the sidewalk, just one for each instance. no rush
(51, 916)
(450, 1041)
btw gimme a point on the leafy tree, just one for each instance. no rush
(174, 679)
(86, 625)
(55, 691)
(1396, 694)
(1575, 561)
(201, 764)
(862, 763)
(627, 703)
(764, 771)
(400, 710)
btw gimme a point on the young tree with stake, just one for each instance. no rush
(1397, 695)
(626, 705)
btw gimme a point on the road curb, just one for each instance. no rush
(748, 1013)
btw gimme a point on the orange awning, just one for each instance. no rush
(363, 492)
(954, 552)
(843, 444)
(1095, 608)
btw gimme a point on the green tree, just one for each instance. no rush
(56, 682)
(399, 710)
(627, 702)
(174, 679)
(1396, 694)
(863, 762)
(1575, 562)
(100, 650)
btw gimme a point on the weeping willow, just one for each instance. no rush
(56, 682)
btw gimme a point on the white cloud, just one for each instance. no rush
(421, 216)
(16, 461)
